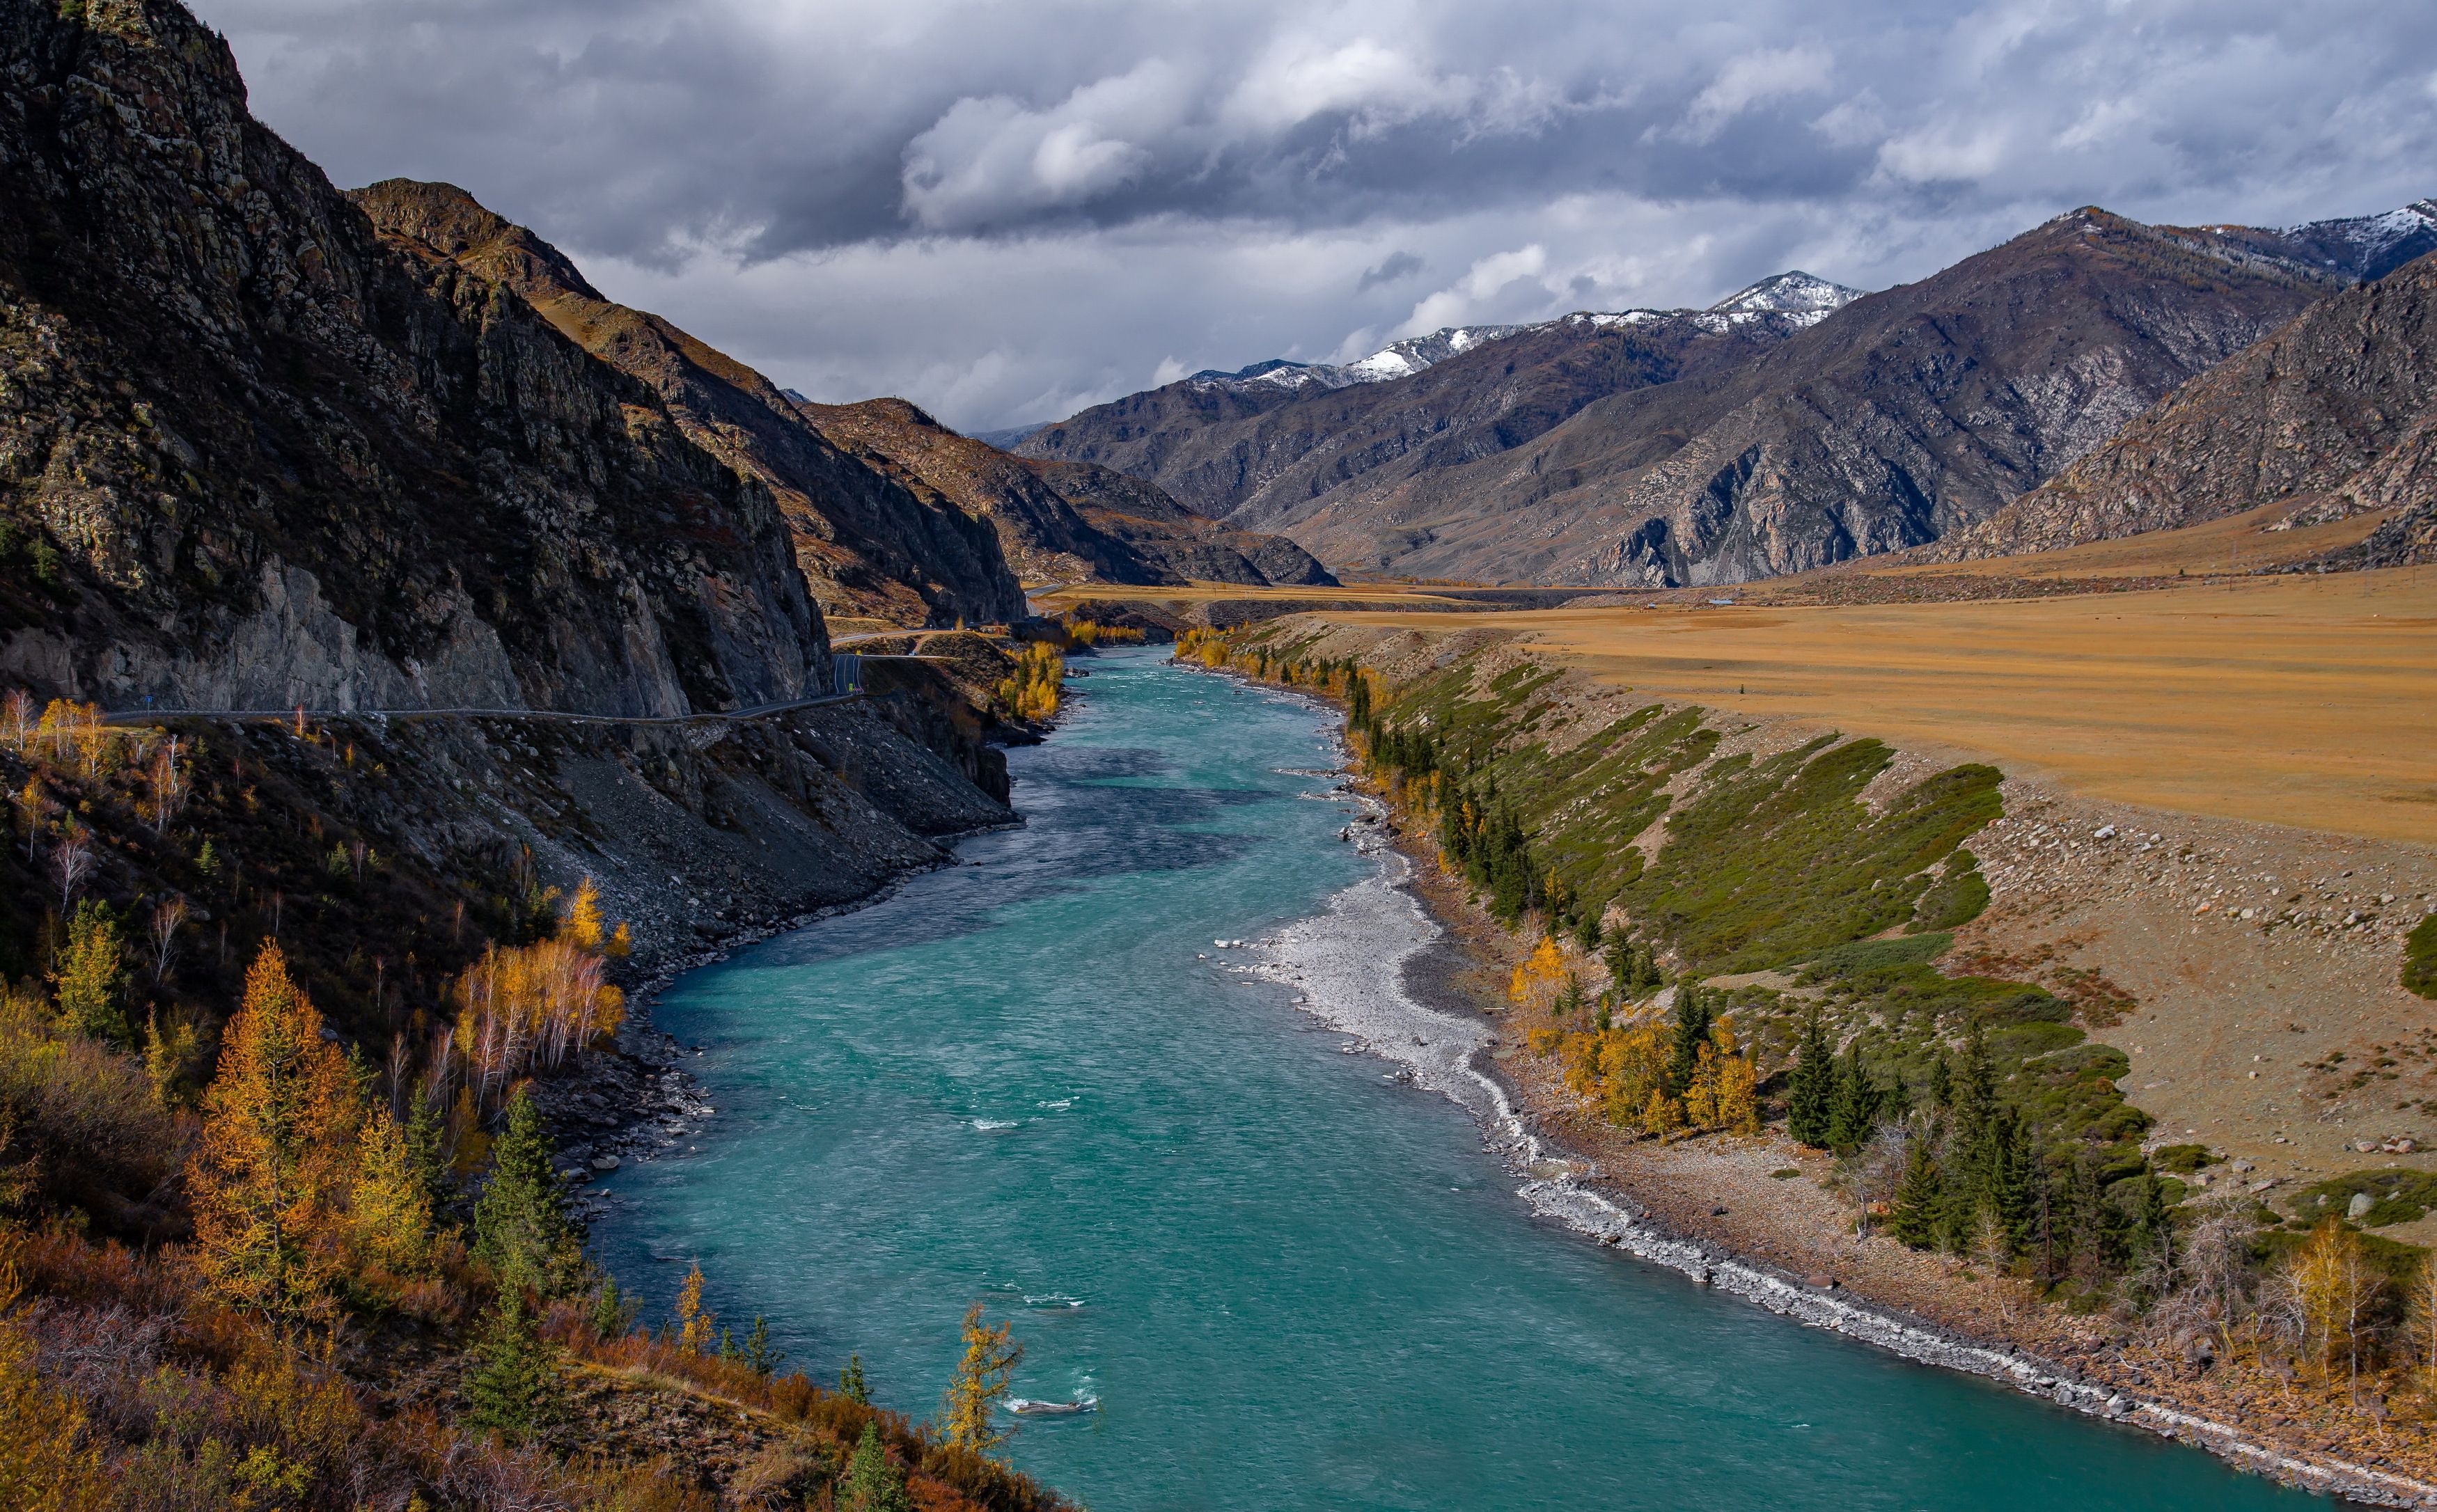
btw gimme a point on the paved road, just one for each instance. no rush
(757, 711)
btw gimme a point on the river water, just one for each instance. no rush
(1032, 1081)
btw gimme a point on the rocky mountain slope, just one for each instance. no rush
(1063, 522)
(868, 546)
(249, 455)
(1897, 420)
(1265, 452)
(2333, 414)
(1892, 420)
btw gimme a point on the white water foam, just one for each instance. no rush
(1346, 966)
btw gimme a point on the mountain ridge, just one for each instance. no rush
(251, 456)
(1875, 425)
(866, 545)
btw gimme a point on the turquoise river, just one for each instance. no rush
(1031, 1080)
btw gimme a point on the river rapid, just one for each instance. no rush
(1293, 1275)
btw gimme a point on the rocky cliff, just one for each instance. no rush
(252, 455)
(1060, 524)
(2333, 414)
(868, 546)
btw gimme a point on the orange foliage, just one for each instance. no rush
(279, 1140)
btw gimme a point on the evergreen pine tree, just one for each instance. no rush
(758, 1356)
(523, 1228)
(2096, 1250)
(1811, 1087)
(1913, 1216)
(1942, 1085)
(609, 1315)
(1854, 1108)
(873, 1481)
(851, 1384)
(1692, 1032)
(425, 1130)
(514, 1386)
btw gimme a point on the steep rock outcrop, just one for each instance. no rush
(255, 458)
(867, 544)
(2336, 411)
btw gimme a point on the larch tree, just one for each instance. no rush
(92, 975)
(982, 1378)
(389, 1211)
(277, 1153)
(696, 1325)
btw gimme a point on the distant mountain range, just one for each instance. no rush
(1792, 424)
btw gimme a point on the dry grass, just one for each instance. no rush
(2294, 700)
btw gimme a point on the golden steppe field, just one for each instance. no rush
(2304, 700)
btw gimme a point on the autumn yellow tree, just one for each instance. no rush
(696, 1325)
(1737, 1095)
(1543, 967)
(982, 1378)
(2420, 1317)
(44, 1467)
(277, 1157)
(2333, 1287)
(389, 1206)
(91, 973)
(1701, 1093)
(1660, 1116)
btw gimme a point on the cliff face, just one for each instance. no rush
(867, 544)
(2335, 412)
(254, 458)
(1059, 523)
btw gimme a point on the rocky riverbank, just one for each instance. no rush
(1406, 965)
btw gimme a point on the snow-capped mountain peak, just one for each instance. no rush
(1789, 293)
(1803, 298)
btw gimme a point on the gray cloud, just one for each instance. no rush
(1394, 268)
(1003, 211)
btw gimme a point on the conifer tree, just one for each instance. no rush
(851, 1384)
(279, 1140)
(1854, 1108)
(982, 1378)
(873, 1481)
(514, 1387)
(1812, 1087)
(389, 1214)
(522, 1227)
(609, 1315)
(1914, 1215)
(425, 1130)
(758, 1354)
(92, 975)
(1692, 1032)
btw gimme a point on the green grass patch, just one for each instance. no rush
(2397, 1196)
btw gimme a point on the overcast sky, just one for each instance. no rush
(1007, 211)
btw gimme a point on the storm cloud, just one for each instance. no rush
(1007, 211)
